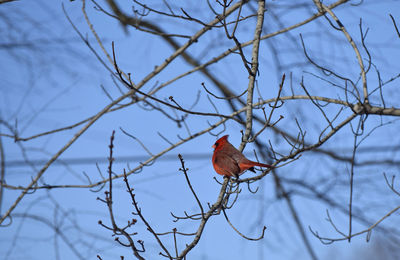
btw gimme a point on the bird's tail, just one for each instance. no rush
(248, 165)
(261, 164)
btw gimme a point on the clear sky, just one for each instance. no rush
(49, 78)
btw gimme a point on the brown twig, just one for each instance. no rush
(109, 202)
(240, 234)
(395, 25)
(139, 213)
(204, 220)
(327, 240)
(184, 170)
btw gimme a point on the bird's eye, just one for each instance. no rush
(216, 144)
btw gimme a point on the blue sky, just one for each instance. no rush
(50, 79)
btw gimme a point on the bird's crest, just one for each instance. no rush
(220, 141)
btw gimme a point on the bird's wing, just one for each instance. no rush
(226, 164)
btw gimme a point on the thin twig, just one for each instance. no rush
(184, 170)
(240, 234)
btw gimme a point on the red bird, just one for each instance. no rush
(229, 161)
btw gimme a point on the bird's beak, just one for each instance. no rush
(213, 146)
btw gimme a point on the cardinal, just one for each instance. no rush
(229, 161)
